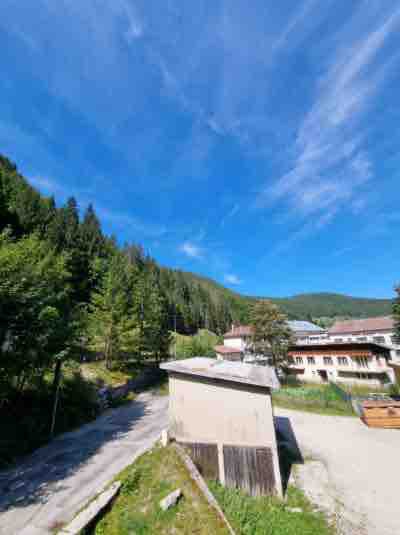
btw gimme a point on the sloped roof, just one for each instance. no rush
(239, 330)
(304, 326)
(381, 323)
(226, 350)
(295, 325)
(234, 372)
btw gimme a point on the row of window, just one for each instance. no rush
(376, 339)
(328, 361)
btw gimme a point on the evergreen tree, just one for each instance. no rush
(111, 326)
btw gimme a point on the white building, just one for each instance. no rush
(238, 340)
(379, 330)
(348, 362)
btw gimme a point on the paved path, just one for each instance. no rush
(51, 485)
(349, 469)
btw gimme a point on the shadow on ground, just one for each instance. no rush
(288, 449)
(42, 473)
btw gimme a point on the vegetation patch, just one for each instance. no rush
(269, 515)
(144, 484)
(320, 399)
(200, 344)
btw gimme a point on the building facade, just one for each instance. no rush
(347, 362)
(377, 330)
(239, 338)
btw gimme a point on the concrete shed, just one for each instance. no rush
(222, 412)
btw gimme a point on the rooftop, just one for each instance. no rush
(226, 349)
(381, 323)
(236, 372)
(296, 325)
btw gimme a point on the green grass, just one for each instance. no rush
(151, 478)
(269, 515)
(98, 373)
(319, 399)
(200, 344)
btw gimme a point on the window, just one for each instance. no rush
(338, 339)
(362, 339)
(299, 360)
(379, 339)
(328, 361)
(311, 360)
(362, 362)
(398, 353)
(342, 361)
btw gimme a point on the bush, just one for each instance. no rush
(25, 418)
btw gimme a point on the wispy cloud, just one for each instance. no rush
(192, 250)
(130, 224)
(331, 163)
(233, 211)
(232, 279)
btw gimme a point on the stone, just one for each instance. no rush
(170, 500)
(294, 509)
(91, 511)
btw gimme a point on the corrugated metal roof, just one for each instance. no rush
(304, 326)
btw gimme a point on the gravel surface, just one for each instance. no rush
(350, 471)
(53, 484)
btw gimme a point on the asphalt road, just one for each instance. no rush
(349, 470)
(52, 484)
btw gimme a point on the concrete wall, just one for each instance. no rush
(222, 413)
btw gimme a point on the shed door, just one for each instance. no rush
(250, 469)
(205, 457)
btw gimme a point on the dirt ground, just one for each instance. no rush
(350, 471)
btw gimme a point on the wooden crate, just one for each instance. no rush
(384, 414)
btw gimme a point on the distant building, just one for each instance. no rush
(347, 362)
(222, 412)
(378, 330)
(239, 339)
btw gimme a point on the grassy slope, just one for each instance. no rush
(319, 399)
(157, 473)
(150, 479)
(270, 516)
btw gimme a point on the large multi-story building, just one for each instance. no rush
(377, 330)
(347, 362)
(358, 351)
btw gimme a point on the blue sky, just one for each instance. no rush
(257, 143)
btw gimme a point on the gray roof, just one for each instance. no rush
(237, 372)
(297, 325)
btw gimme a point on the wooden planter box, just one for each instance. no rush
(385, 414)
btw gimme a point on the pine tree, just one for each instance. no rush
(112, 328)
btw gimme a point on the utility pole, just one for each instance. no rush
(175, 332)
(56, 393)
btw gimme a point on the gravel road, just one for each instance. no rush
(52, 484)
(351, 471)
